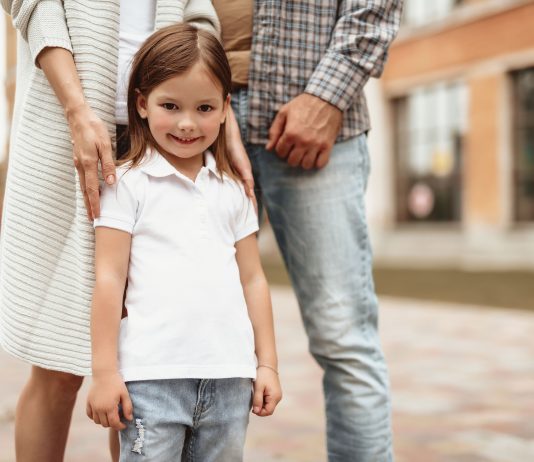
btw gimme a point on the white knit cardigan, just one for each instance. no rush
(46, 259)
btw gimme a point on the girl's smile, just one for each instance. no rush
(184, 140)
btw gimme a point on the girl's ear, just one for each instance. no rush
(225, 109)
(141, 104)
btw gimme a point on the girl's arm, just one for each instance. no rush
(267, 391)
(111, 268)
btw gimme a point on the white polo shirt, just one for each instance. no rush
(187, 316)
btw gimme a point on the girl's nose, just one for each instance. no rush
(186, 123)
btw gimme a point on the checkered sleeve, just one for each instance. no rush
(357, 51)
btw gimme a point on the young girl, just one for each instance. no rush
(180, 230)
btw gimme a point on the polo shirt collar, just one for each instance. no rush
(154, 164)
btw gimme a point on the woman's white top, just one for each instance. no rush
(136, 25)
(187, 316)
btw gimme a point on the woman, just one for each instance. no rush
(65, 112)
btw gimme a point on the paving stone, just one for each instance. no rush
(462, 380)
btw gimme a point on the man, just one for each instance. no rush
(299, 68)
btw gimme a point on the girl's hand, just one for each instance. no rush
(267, 392)
(91, 144)
(105, 395)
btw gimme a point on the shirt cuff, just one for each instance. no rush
(47, 28)
(336, 80)
(245, 232)
(115, 223)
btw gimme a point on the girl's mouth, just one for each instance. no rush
(184, 140)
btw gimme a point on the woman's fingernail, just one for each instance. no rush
(256, 409)
(110, 179)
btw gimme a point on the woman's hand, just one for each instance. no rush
(107, 392)
(238, 155)
(267, 392)
(91, 144)
(88, 133)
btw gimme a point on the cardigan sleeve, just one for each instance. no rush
(41, 23)
(201, 13)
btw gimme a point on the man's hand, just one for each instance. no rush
(105, 395)
(304, 131)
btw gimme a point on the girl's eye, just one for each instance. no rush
(169, 106)
(205, 108)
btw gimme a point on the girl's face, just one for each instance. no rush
(185, 112)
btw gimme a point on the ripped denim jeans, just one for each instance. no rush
(203, 420)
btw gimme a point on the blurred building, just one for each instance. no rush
(452, 143)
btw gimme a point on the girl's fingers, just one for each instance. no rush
(257, 399)
(103, 419)
(89, 411)
(269, 406)
(115, 421)
(127, 407)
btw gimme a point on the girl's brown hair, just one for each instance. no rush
(169, 52)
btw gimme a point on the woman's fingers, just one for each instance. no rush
(92, 146)
(106, 160)
(92, 189)
(81, 179)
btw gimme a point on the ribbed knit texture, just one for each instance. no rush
(46, 260)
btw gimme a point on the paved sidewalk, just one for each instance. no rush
(462, 380)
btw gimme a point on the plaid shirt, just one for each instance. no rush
(328, 48)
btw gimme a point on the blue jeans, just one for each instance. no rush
(191, 420)
(318, 218)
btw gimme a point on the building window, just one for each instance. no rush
(430, 123)
(418, 12)
(523, 83)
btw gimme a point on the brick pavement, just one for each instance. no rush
(462, 380)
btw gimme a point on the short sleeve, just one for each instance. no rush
(246, 221)
(118, 205)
